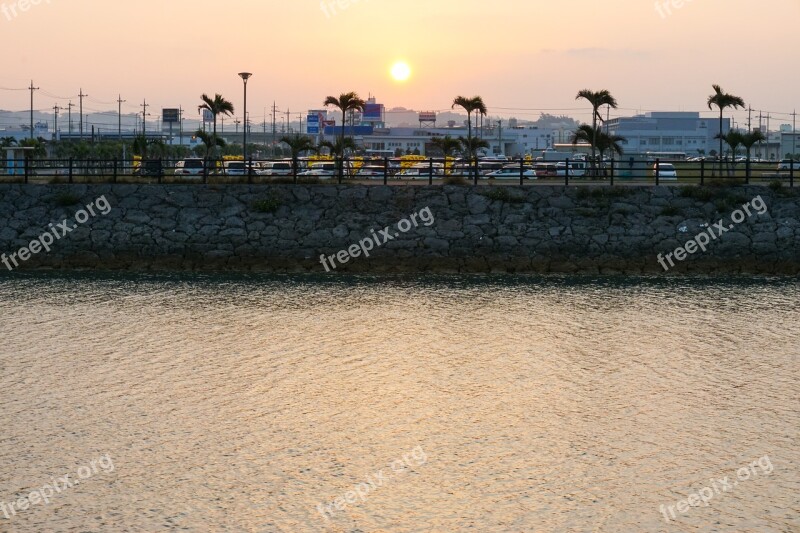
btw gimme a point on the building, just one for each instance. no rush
(669, 132)
(512, 142)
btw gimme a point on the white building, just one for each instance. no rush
(669, 132)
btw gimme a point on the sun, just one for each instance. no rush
(401, 71)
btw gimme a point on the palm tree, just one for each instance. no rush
(748, 141)
(209, 143)
(598, 140)
(470, 105)
(470, 146)
(344, 103)
(597, 99)
(217, 106)
(7, 141)
(447, 145)
(734, 140)
(723, 100)
(338, 149)
(297, 145)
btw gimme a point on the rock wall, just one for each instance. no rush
(285, 228)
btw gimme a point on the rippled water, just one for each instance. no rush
(472, 404)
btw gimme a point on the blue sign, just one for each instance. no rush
(313, 125)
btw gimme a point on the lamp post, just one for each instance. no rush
(245, 76)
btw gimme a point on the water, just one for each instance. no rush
(473, 404)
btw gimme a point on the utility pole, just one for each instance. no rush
(180, 125)
(81, 96)
(144, 107)
(55, 113)
(500, 136)
(69, 113)
(301, 123)
(32, 88)
(287, 121)
(119, 116)
(749, 116)
(794, 133)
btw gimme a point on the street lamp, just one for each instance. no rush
(245, 76)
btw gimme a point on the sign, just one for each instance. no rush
(313, 124)
(208, 116)
(427, 116)
(170, 115)
(373, 113)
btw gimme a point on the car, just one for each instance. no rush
(665, 171)
(370, 172)
(511, 173)
(150, 168)
(320, 170)
(418, 174)
(189, 167)
(233, 168)
(788, 164)
(577, 169)
(275, 168)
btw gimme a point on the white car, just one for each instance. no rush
(276, 168)
(233, 168)
(372, 172)
(320, 170)
(510, 173)
(189, 167)
(418, 173)
(577, 169)
(665, 171)
(786, 164)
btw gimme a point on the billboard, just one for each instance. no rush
(208, 116)
(170, 115)
(373, 113)
(427, 116)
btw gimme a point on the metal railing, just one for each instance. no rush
(624, 171)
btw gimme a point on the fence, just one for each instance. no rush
(430, 171)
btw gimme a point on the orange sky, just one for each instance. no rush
(518, 54)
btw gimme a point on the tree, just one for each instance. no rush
(8, 141)
(338, 149)
(470, 105)
(470, 146)
(723, 101)
(598, 140)
(209, 143)
(217, 106)
(597, 99)
(734, 140)
(345, 102)
(447, 145)
(297, 145)
(748, 141)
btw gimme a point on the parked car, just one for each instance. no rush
(189, 167)
(234, 168)
(151, 168)
(373, 172)
(786, 165)
(666, 171)
(577, 169)
(511, 173)
(275, 168)
(321, 171)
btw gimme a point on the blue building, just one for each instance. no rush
(669, 132)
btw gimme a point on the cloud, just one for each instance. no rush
(600, 53)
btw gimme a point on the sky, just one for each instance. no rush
(522, 56)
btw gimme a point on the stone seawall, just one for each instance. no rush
(285, 228)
